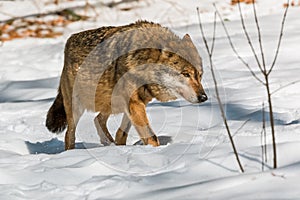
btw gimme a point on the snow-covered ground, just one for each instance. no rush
(197, 161)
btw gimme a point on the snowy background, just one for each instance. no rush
(199, 162)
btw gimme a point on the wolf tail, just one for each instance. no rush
(56, 120)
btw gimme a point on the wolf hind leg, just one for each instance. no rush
(73, 116)
(122, 133)
(100, 123)
(138, 117)
(70, 135)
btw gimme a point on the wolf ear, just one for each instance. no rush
(187, 38)
(188, 41)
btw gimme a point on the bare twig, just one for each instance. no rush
(234, 49)
(259, 38)
(248, 37)
(263, 139)
(262, 151)
(214, 33)
(280, 38)
(271, 122)
(269, 92)
(285, 86)
(240, 128)
(263, 67)
(203, 35)
(210, 54)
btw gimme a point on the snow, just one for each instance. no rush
(196, 160)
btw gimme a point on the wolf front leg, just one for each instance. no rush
(100, 123)
(138, 117)
(122, 133)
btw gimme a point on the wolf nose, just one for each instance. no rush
(202, 98)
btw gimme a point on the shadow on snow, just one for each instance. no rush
(55, 146)
(27, 91)
(236, 112)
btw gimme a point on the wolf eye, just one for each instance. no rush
(185, 74)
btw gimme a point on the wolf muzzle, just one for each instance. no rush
(202, 98)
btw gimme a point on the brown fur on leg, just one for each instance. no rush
(138, 116)
(100, 123)
(70, 138)
(122, 133)
(153, 141)
(72, 120)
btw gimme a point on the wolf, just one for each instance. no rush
(120, 69)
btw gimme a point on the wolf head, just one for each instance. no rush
(185, 71)
(158, 57)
